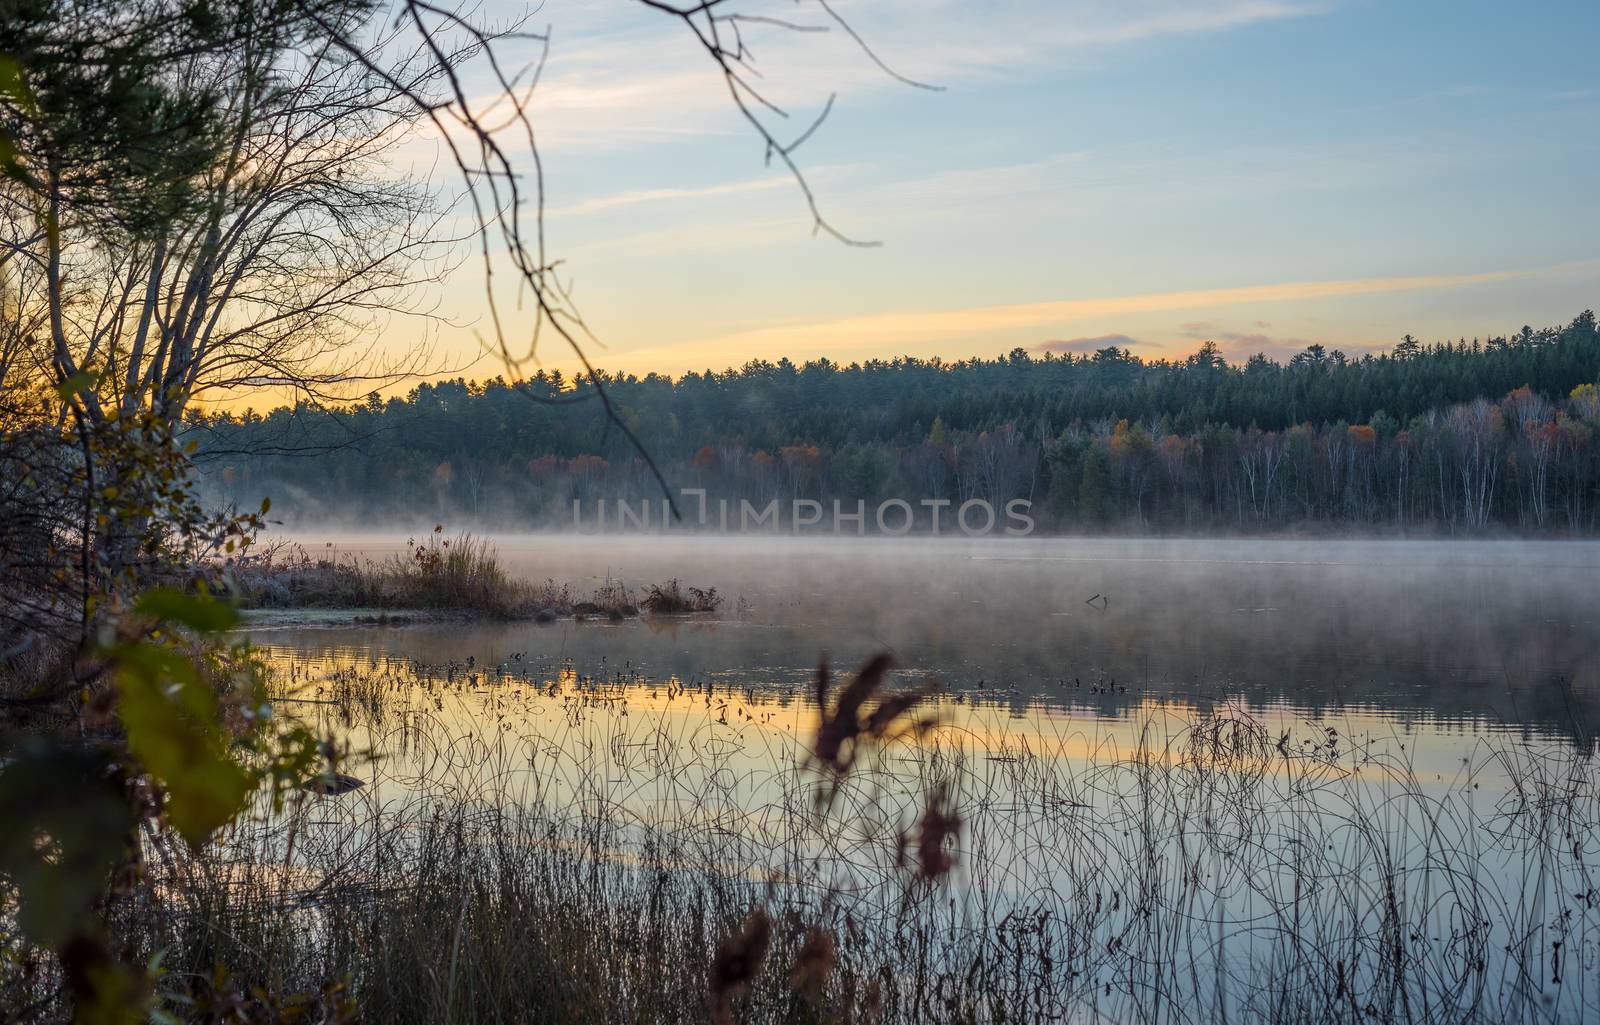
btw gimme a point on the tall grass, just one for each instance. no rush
(541, 848)
(671, 598)
(461, 575)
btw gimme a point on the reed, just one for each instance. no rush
(532, 848)
(455, 576)
(671, 598)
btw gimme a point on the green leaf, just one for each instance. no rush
(171, 719)
(66, 827)
(296, 752)
(198, 612)
(75, 385)
(15, 90)
(8, 157)
(105, 991)
(12, 86)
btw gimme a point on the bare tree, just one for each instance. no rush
(507, 197)
(191, 197)
(202, 196)
(1260, 457)
(294, 243)
(285, 239)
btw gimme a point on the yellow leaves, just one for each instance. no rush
(195, 611)
(76, 384)
(172, 722)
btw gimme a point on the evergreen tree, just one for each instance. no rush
(1094, 487)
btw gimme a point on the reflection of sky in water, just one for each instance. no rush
(1461, 636)
(1096, 818)
(1416, 708)
(505, 713)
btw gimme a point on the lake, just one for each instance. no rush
(1267, 766)
(1441, 637)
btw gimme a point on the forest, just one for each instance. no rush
(1450, 437)
(498, 773)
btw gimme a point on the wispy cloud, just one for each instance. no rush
(614, 77)
(1071, 184)
(1089, 344)
(1243, 344)
(913, 326)
(1124, 24)
(954, 39)
(637, 197)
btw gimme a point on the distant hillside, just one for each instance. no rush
(1480, 435)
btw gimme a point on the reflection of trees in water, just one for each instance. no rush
(1501, 634)
(1262, 869)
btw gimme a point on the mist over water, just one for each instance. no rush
(1150, 744)
(1459, 636)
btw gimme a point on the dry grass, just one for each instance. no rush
(460, 575)
(670, 599)
(531, 849)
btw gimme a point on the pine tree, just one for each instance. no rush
(1094, 487)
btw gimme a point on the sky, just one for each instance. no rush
(1146, 173)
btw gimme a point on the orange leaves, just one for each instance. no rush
(588, 465)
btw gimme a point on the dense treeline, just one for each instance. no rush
(1462, 436)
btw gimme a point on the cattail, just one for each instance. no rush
(889, 710)
(839, 729)
(737, 962)
(872, 1009)
(814, 963)
(940, 824)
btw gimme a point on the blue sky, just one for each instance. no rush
(1265, 173)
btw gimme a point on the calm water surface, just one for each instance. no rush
(1447, 639)
(1426, 705)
